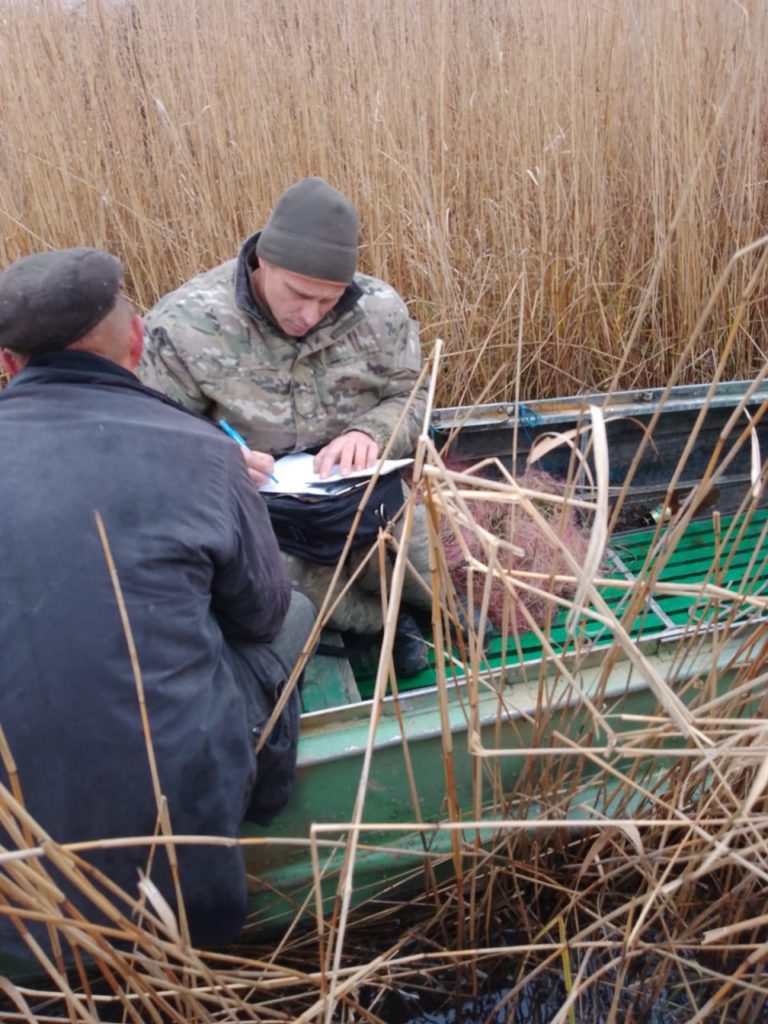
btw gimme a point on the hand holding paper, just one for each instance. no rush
(295, 474)
(352, 450)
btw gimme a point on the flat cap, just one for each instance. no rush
(52, 299)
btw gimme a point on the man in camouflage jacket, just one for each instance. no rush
(298, 352)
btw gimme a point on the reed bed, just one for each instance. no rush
(611, 856)
(574, 197)
(554, 187)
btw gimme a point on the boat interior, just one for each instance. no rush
(662, 444)
(728, 552)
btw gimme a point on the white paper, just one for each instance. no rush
(295, 474)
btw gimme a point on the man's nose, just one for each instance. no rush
(310, 312)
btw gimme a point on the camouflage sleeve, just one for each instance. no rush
(164, 368)
(381, 422)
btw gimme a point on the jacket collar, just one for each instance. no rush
(79, 362)
(247, 300)
(78, 367)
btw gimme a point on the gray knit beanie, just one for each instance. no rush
(312, 231)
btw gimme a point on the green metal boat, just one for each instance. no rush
(533, 730)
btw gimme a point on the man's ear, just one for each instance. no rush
(12, 362)
(135, 341)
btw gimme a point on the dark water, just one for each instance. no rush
(486, 991)
(537, 1004)
(443, 999)
(541, 999)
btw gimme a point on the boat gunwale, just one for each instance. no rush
(639, 402)
(420, 702)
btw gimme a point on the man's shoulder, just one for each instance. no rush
(373, 288)
(204, 299)
(200, 324)
(170, 429)
(379, 298)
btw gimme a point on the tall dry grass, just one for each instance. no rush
(553, 185)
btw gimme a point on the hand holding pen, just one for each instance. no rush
(259, 464)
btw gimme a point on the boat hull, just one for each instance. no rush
(473, 740)
(501, 742)
(656, 437)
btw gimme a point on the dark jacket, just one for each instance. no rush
(199, 568)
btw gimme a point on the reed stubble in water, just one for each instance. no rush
(661, 898)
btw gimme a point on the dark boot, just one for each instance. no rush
(462, 614)
(363, 651)
(464, 618)
(409, 650)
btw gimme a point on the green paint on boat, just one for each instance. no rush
(523, 702)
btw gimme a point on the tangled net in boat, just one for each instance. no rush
(539, 527)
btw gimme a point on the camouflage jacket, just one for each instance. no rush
(213, 347)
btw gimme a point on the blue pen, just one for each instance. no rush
(241, 441)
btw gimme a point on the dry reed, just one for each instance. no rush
(554, 187)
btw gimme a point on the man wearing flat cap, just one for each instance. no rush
(298, 351)
(215, 624)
